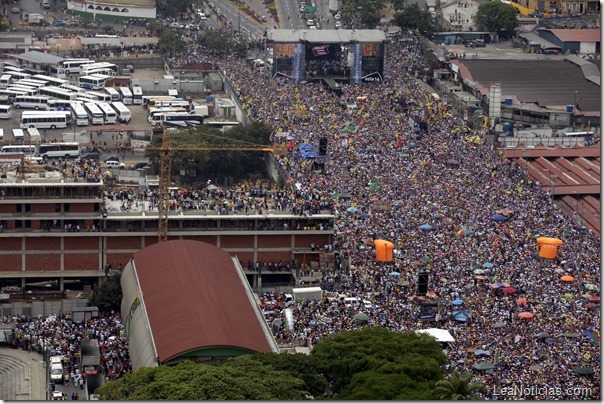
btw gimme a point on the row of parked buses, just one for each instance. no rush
(39, 150)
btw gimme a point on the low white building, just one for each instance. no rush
(115, 8)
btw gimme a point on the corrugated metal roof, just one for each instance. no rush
(39, 57)
(195, 299)
(326, 35)
(577, 35)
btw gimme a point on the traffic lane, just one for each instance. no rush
(289, 14)
(236, 18)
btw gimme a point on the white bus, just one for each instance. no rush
(79, 114)
(137, 95)
(31, 83)
(92, 82)
(178, 119)
(126, 95)
(58, 93)
(173, 104)
(123, 113)
(578, 134)
(59, 105)
(115, 95)
(85, 97)
(95, 115)
(18, 136)
(105, 71)
(59, 149)
(26, 89)
(104, 97)
(86, 69)
(10, 69)
(43, 119)
(72, 88)
(12, 93)
(34, 135)
(5, 80)
(151, 116)
(71, 66)
(20, 75)
(6, 111)
(21, 150)
(51, 81)
(109, 113)
(31, 101)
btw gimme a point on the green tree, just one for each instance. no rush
(108, 295)
(174, 8)
(378, 364)
(459, 386)
(363, 13)
(412, 17)
(170, 42)
(239, 378)
(495, 16)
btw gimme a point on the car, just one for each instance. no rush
(73, 23)
(338, 24)
(58, 395)
(174, 24)
(337, 16)
(140, 165)
(310, 23)
(58, 23)
(15, 10)
(312, 27)
(90, 156)
(112, 158)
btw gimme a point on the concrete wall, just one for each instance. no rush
(39, 308)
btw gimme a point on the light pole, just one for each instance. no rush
(575, 110)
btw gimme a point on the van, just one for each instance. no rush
(46, 4)
(56, 372)
(351, 301)
(112, 163)
(90, 156)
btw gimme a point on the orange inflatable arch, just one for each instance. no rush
(383, 250)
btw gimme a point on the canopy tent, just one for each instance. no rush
(439, 334)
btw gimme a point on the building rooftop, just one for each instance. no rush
(324, 36)
(577, 35)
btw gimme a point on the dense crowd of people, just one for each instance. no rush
(436, 176)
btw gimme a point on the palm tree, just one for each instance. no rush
(459, 386)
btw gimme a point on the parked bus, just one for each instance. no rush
(104, 97)
(137, 95)
(59, 149)
(34, 136)
(578, 134)
(153, 112)
(110, 116)
(18, 136)
(12, 93)
(18, 150)
(123, 113)
(6, 111)
(72, 88)
(86, 69)
(26, 89)
(92, 82)
(52, 81)
(126, 95)
(173, 104)
(20, 75)
(58, 93)
(180, 119)
(31, 102)
(10, 69)
(59, 105)
(5, 80)
(71, 66)
(115, 95)
(43, 119)
(31, 83)
(85, 97)
(95, 115)
(79, 114)
(150, 101)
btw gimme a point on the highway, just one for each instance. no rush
(238, 18)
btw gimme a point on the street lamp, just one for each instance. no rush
(575, 110)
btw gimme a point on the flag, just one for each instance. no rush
(336, 194)
(374, 186)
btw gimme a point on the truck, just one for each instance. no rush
(90, 356)
(333, 6)
(35, 18)
(93, 382)
(312, 293)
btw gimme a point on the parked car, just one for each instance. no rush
(112, 158)
(15, 10)
(338, 24)
(310, 23)
(90, 156)
(140, 165)
(58, 23)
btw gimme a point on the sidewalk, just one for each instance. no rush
(460, 13)
(37, 382)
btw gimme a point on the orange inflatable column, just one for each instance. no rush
(383, 250)
(548, 247)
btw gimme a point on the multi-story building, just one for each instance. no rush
(55, 229)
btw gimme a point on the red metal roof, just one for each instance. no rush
(577, 35)
(194, 299)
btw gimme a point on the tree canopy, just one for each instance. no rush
(412, 17)
(169, 42)
(375, 363)
(459, 386)
(212, 164)
(108, 295)
(222, 43)
(495, 16)
(363, 13)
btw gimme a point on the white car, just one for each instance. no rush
(310, 23)
(338, 24)
(337, 16)
(57, 395)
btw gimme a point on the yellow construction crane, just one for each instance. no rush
(165, 168)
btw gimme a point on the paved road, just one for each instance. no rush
(238, 18)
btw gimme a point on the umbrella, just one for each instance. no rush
(591, 306)
(550, 341)
(558, 270)
(480, 352)
(567, 278)
(462, 317)
(488, 265)
(344, 196)
(536, 368)
(309, 155)
(425, 227)
(509, 290)
(437, 216)
(404, 283)
(481, 277)
(570, 335)
(290, 137)
(352, 209)
(594, 298)
(505, 211)
(521, 301)
(468, 286)
(425, 259)
(431, 294)
(542, 335)
(394, 273)
(463, 232)
(484, 366)
(306, 147)
(498, 218)
(361, 317)
(526, 314)
(479, 271)
(457, 302)
(582, 370)
(591, 286)
(568, 295)
(498, 285)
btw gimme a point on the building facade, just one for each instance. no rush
(114, 9)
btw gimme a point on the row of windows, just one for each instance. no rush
(115, 9)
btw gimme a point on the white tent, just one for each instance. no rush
(440, 334)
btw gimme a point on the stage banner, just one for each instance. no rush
(357, 63)
(298, 62)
